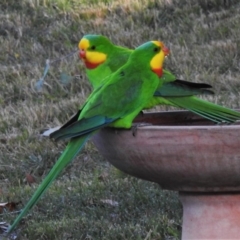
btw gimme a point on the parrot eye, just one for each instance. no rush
(156, 49)
(93, 47)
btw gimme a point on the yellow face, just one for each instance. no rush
(90, 56)
(158, 59)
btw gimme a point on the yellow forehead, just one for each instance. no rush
(83, 44)
(158, 43)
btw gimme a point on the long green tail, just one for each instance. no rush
(206, 109)
(72, 149)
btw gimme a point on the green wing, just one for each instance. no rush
(180, 88)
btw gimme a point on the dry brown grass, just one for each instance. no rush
(204, 39)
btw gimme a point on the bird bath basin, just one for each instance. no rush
(186, 153)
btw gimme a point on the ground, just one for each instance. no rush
(91, 199)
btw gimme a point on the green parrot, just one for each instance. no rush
(115, 104)
(102, 57)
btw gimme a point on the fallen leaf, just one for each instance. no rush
(109, 202)
(30, 179)
(10, 206)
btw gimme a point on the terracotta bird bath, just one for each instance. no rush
(186, 153)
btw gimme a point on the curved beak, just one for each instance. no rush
(82, 53)
(166, 51)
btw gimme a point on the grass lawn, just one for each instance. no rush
(91, 199)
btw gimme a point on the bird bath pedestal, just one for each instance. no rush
(185, 153)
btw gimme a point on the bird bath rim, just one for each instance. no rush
(196, 157)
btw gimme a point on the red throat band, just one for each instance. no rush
(91, 65)
(158, 71)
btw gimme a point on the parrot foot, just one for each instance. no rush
(136, 125)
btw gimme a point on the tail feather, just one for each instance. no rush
(206, 109)
(72, 149)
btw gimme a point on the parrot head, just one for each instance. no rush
(93, 50)
(153, 52)
(157, 61)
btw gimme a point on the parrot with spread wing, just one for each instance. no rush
(115, 103)
(102, 57)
